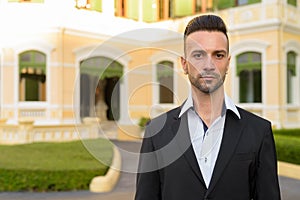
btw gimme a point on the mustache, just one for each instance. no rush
(208, 74)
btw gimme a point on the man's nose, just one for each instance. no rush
(209, 64)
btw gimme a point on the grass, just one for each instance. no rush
(53, 166)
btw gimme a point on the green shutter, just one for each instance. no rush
(164, 69)
(101, 67)
(31, 90)
(222, 4)
(291, 62)
(183, 8)
(248, 66)
(252, 62)
(292, 2)
(253, 1)
(96, 5)
(149, 13)
(33, 62)
(132, 11)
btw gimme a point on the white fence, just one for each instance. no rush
(26, 132)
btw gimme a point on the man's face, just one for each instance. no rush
(206, 60)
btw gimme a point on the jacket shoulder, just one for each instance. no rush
(162, 121)
(253, 118)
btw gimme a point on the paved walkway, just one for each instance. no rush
(124, 190)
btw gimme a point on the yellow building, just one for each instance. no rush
(62, 61)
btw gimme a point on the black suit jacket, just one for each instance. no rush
(246, 166)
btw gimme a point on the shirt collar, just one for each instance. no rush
(229, 105)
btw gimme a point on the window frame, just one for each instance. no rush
(161, 63)
(292, 95)
(251, 67)
(30, 68)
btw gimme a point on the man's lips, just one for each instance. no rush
(208, 77)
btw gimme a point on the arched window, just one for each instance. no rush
(291, 76)
(32, 76)
(165, 77)
(249, 73)
(100, 88)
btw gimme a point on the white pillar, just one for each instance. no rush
(108, 7)
(140, 17)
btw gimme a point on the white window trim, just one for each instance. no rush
(252, 45)
(155, 59)
(36, 45)
(292, 45)
(90, 51)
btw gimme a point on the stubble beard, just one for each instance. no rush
(207, 87)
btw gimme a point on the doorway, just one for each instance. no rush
(100, 88)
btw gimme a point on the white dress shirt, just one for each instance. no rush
(207, 144)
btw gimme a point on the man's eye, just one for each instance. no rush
(198, 55)
(220, 56)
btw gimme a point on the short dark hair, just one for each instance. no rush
(206, 23)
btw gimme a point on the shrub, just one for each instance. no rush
(53, 166)
(143, 121)
(288, 145)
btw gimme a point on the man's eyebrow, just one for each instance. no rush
(220, 51)
(198, 51)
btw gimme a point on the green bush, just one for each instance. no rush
(143, 121)
(53, 166)
(288, 145)
(44, 180)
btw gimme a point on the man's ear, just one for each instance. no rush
(184, 65)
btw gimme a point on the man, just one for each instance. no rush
(207, 148)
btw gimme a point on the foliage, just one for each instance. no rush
(53, 166)
(143, 121)
(288, 145)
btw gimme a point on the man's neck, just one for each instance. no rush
(208, 105)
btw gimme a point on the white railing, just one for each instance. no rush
(26, 132)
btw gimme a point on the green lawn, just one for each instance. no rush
(53, 166)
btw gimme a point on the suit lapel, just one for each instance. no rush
(231, 135)
(182, 138)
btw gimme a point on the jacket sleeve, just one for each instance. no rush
(267, 186)
(148, 180)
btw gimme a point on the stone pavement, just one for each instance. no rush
(124, 190)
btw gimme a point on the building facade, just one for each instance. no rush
(62, 61)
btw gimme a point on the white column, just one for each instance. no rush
(124, 101)
(108, 7)
(140, 17)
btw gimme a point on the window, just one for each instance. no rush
(32, 76)
(292, 2)
(100, 88)
(249, 73)
(165, 74)
(291, 76)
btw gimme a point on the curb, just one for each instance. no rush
(107, 183)
(289, 170)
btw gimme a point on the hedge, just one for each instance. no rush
(288, 145)
(53, 166)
